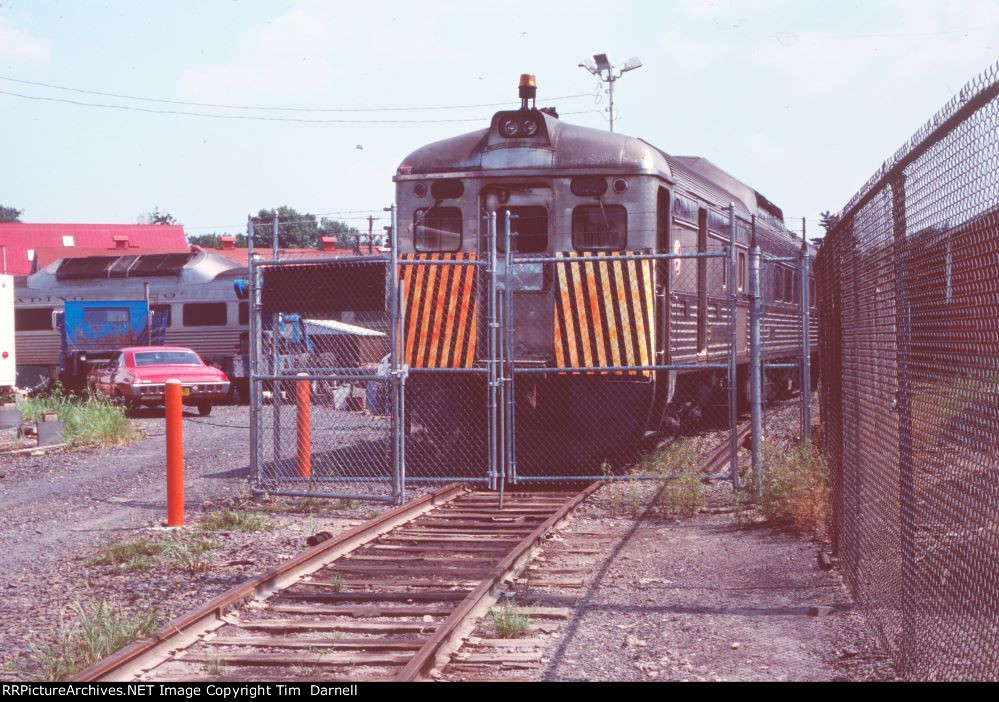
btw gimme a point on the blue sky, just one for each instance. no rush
(802, 99)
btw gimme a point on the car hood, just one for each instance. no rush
(186, 374)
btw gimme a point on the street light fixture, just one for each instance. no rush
(603, 68)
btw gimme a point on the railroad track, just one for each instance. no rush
(388, 600)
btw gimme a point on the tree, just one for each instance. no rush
(10, 214)
(214, 241)
(157, 217)
(297, 230)
(828, 220)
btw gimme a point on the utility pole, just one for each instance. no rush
(602, 67)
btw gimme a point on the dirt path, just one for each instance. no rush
(706, 600)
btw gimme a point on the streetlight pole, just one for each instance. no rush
(600, 66)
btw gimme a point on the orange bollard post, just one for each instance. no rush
(174, 453)
(303, 392)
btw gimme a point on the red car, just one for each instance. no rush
(135, 376)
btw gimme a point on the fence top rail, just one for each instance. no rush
(270, 262)
(597, 258)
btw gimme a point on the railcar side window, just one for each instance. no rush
(599, 228)
(205, 314)
(788, 286)
(244, 313)
(529, 229)
(685, 209)
(437, 229)
(742, 270)
(778, 285)
(33, 319)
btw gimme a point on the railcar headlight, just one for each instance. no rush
(528, 127)
(620, 185)
(509, 128)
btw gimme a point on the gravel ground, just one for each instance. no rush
(703, 600)
(58, 510)
(698, 599)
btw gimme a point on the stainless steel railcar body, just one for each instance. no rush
(551, 176)
(194, 289)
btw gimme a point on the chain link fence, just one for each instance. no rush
(908, 285)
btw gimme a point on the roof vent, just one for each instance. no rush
(228, 242)
(120, 242)
(328, 243)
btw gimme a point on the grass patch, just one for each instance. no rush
(87, 422)
(234, 520)
(337, 583)
(795, 489)
(93, 631)
(508, 623)
(185, 551)
(130, 556)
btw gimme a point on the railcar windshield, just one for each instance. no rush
(599, 228)
(166, 358)
(437, 229)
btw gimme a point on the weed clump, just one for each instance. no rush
(795, 490)
(234, 520)
(508, 623)
(94, 631)
(87, 422)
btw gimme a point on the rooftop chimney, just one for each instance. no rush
(328, 243)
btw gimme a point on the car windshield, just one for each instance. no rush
(166, 358)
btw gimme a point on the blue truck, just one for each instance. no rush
(93, 330)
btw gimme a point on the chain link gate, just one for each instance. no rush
(616, 375)
(326, 407)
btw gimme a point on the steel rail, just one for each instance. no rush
(448, 636)
(190, 626)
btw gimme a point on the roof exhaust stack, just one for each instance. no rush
(528, 90)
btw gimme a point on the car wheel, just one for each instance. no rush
(204, 408)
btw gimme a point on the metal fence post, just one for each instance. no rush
(275, 369)
(732, 336)
(756, 364)
(397, 426)
(491, 362)
(508, 359)
(254, 351)
(806, 345)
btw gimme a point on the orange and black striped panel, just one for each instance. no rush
(604, 313)
(440, 303)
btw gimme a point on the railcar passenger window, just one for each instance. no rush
(529, 229)
(742, 270)
(244, 313)
(778, 285)
(788, 286)
(33, 319)
(205, 314)
(437, 229)
(599, 228)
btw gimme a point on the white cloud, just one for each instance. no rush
(17, 45)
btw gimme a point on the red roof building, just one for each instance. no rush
(21, 242)
(328, 248)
